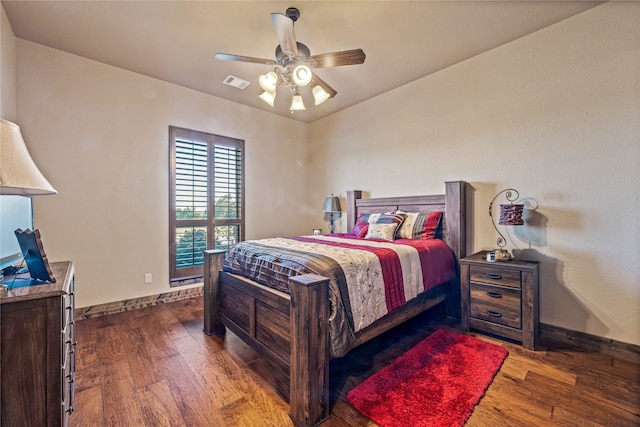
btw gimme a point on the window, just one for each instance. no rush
(207, 175)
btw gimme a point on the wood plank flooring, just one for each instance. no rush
(155, 367)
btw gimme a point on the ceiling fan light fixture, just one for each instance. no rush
(268, 97)
(302, 75)
(320, 95)
(296, 102)
(268, 81)
(294, 63)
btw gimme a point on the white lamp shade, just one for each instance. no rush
(19, 175)
(302, 75)
(296, 103)
(268, 97)
(268, 81)
(320, 95)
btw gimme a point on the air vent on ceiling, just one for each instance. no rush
(236, 82)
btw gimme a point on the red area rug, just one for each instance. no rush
(436, 383)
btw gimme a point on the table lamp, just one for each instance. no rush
(331, 205)
(510, 215)
(19, 175)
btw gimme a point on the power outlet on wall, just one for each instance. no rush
(147, 278)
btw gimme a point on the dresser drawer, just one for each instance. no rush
(68, 386)
(67, 314)
(495, 275)
(68, 343)
(496, 304)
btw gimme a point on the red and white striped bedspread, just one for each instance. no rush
(368, 278)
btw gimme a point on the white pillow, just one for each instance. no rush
(381, 231)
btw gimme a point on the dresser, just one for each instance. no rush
(500, 298)
(37, 351)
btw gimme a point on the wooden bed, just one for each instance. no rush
(291, 330)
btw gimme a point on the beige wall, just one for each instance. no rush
(100, 136)
(7, 69)
(555, 115)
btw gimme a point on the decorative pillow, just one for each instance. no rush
(360, 229)
(362, 224)
(384, 227)
(420, 225)
(368, 218)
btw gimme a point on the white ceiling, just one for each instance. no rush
(175, 41)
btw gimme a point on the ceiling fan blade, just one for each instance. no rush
(324, 85)
(231, 57)
(284, 30)
(337, 59)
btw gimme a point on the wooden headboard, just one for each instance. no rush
(452, 203)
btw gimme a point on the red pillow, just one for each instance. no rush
(421, 225)
(360, 229)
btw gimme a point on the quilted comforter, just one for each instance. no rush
(368, 278)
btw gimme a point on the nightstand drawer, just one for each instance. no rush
(496, 304)
(495, 275)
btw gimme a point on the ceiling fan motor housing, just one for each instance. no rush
(303, 54)
(292, 13)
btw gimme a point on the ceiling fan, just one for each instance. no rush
(293, 61)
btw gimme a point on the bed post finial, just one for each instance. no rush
(352, 196)
(455, 216)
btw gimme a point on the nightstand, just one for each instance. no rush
(500, 298)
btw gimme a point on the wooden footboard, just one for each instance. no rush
(291, 331)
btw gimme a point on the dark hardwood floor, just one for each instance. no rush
(155, 367)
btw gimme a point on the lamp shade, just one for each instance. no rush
(302, 75)
(511, 214)
(319, 95)
(268, 97)
(268, 81)
(19, 175)
(331, 204)
(296, 103)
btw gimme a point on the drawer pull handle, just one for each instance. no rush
(495, 276)
(494, 313)
(494, 294)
